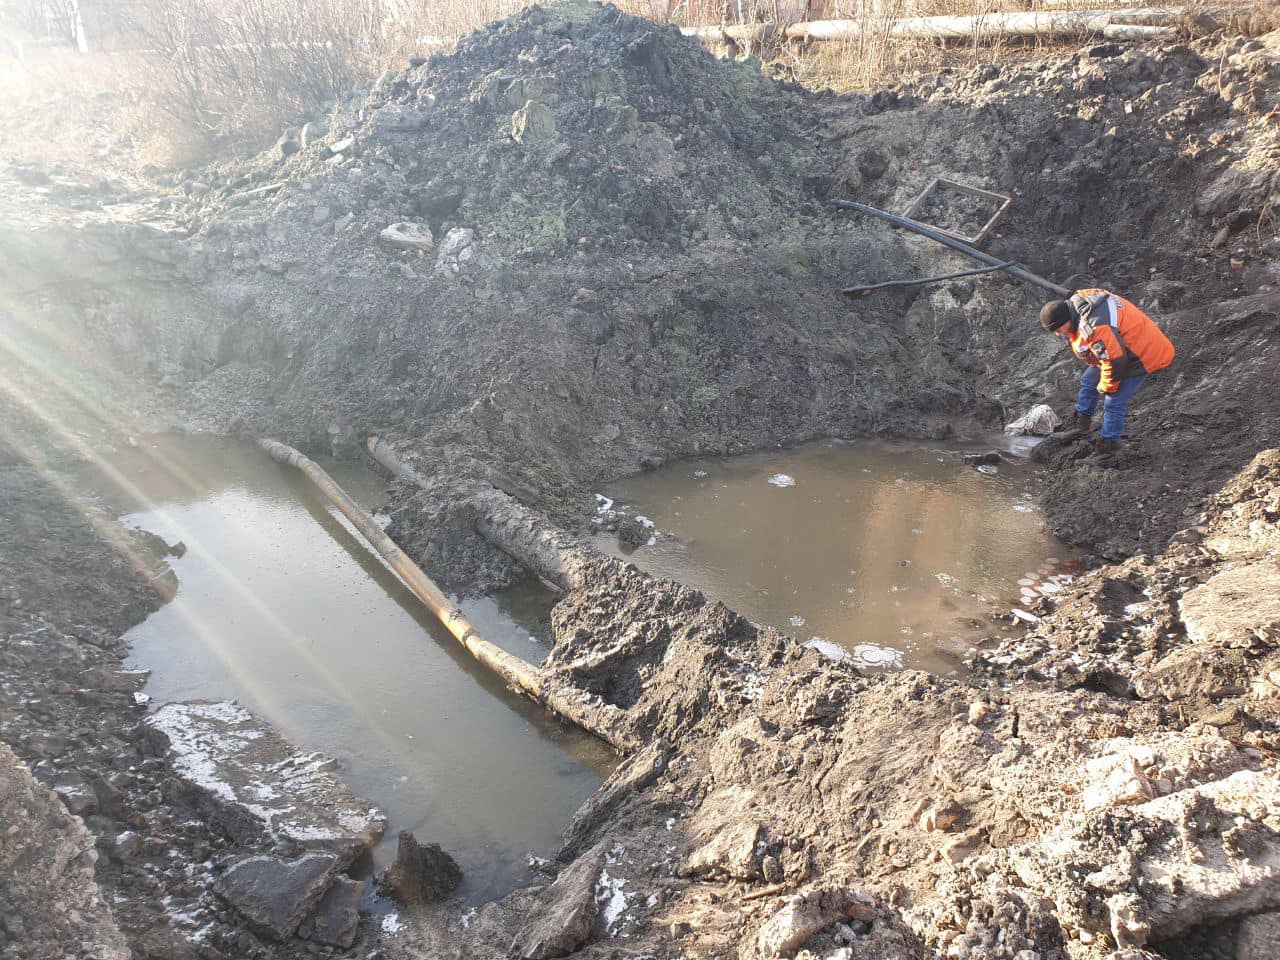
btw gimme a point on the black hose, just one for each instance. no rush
(957, 245)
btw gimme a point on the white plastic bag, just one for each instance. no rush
(1039, 421)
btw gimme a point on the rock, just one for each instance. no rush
(730, 851)
(990, 458)
(566, 913)
(408, 236)
(336, 918)
(46, 744)
(275, 895)
(422, 872)
(802, 917)
(1236, 606)
(1162, 870)
(455, 249)
(110, 680)
(342, 146)
(632, 532)
(80, 798)
(126, 847)
(533, 123)
(1259, 937)
(394, 118)
(252, 779)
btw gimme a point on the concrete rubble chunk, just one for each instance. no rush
(422, 872)
(275, 895)
(566, 912)
(800, 918)
(1151, 872)
(1235, 606)
(408, 236)
(533, 123)
(255, 780)
(336, 918)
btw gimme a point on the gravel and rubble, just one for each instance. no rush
(579, 247)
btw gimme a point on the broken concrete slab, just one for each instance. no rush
(1151, 872)
(274, 894)
(254, 780)
(566, 914)
(336, 918)
(1236, 607)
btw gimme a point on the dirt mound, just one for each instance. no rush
(576, 128)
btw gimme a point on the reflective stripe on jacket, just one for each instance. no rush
(1117, 337)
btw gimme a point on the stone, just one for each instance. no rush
(45, 744)
(990, 458)
(455, 249)
(342, 146)
(109, 680)
(566, 914)
(336, 918)
(533, 123)
(803, 916)
(1236, 605)
(126, 847)
(731, 851)
(422, 872)
(275, 895)
(408, 236)
(1259, 937)
(79, 797)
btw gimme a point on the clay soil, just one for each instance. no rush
(629, 257)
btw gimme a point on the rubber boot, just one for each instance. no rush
(1081, 421)
(1104, 447)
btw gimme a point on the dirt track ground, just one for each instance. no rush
(651, 273)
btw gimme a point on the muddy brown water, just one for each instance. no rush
(893, 553)
(281, 606)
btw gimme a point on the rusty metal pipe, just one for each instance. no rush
(601, 719)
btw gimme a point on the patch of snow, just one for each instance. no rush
(391, 923)
(796, 621)
(604, 503)
(832, 651)
(782, 480)
(612, 901)
(382, 519)
(988, 468)
(467, 917)
(644, 521)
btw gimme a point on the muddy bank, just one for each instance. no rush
(126, 825)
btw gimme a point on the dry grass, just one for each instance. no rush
(208, 76)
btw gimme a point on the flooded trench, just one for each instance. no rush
(894, 553)
(281, 606)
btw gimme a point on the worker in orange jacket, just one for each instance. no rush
(1120, 346)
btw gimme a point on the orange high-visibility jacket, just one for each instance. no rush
(1116, 336)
